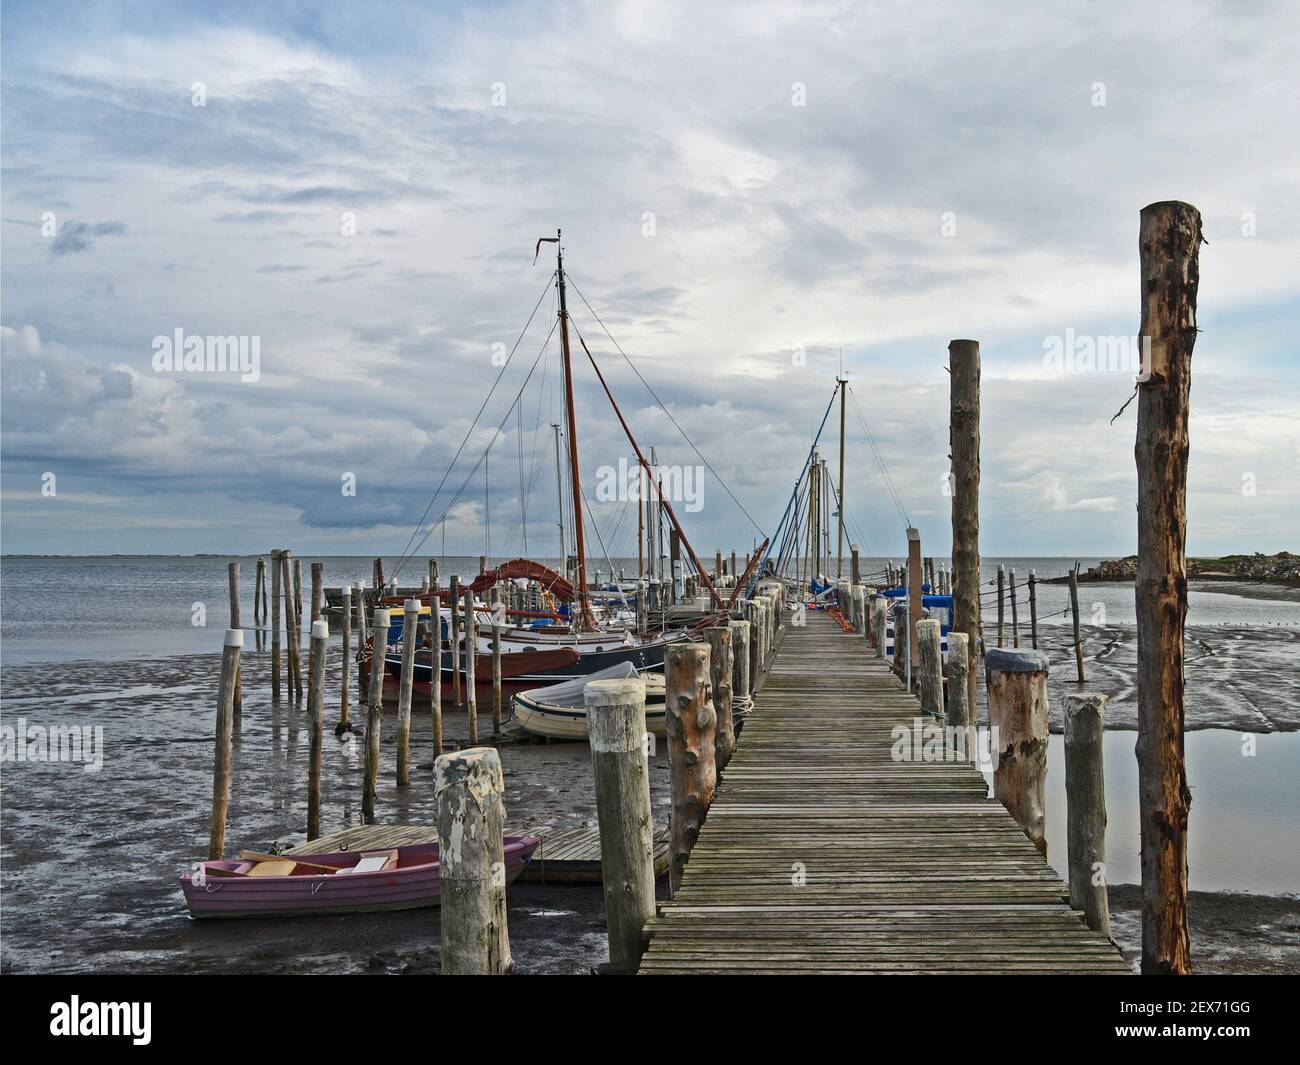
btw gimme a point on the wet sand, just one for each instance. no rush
(91, 860)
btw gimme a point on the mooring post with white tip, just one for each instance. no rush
(620, 768)
(225, 728)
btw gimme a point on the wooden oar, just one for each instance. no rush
(253, 856)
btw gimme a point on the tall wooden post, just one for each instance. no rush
(692, 759)
(317, 590)
(224, 732)
(297, 620)
(471, 669)
(720, 670)
(496, 677)
(375, 714)
(259, 602)
(275, 625)
(435, 662)
(1033, 610)
(410, 623)
(1017, 699)
(1015, 612)
(232, 579)
(620, 768)
(475, 936)
(960, 712)
(453, 631)
(1074, 612)
(964, 444)
(1085, 814)
(914, 613)
(320, 638)
(1169, 242)
(855, 567)
(345, 681)
(930, 666)
(880, 623)
(293, 676)
(739, 668)
(1002, 582)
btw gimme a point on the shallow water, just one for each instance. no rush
(1244, 831)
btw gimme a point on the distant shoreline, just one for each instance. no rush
(1281, 569)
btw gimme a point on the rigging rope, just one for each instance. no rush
(880, 461)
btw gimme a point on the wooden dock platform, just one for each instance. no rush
(822, 854)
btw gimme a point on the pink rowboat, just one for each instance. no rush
(224, 888)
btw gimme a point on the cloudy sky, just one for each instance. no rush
(746, 191)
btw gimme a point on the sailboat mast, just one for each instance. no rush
(839, 565)
(584, 604)
(559, 502)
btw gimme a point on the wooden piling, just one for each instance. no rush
(224, 732)
(297, 621)
(320, 638)
(1017, 701)
(855, 568)
(961, 713)
(720, 672)
(1033, 610)
(375, 713)
(293, 678)
(1002, 581)
(435, 686)
(471, 674)
(1074, 615)
(1085, 800)
(275, 626)
(930, 666)
(753, 611)
(453, 630)
(914, 611)
(317, 590)
(964, 444)
(692, 759)
(232, 580)
(739, 666)
(410, 623)
(1015, 610)
(880, 620)
(475, 937)
(621, 771)
(496, 678)
(346, 679)
(1169, 242)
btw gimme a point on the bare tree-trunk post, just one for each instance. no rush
(914, 612)
(692, 759)
(435, 666)
(1002, 589)
(1085, 801)
(1015, 611)
(930, 666)
(471, 668)
(1033, 610)
(1169, 242)
(964, 444)
(1017, 700)
(620, 768)
(345, 681)
(224, 734)
(475, 937)
(406, 688)
(720, 672)
(1074, 612)
(232, 579)
(454, 632)
(375, 713)
(275, 625)
(320, 638)
(960, 712)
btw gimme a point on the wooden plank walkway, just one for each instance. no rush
(821, 854)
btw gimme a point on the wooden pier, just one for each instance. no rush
(823, 854)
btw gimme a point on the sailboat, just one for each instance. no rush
(582, 634)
